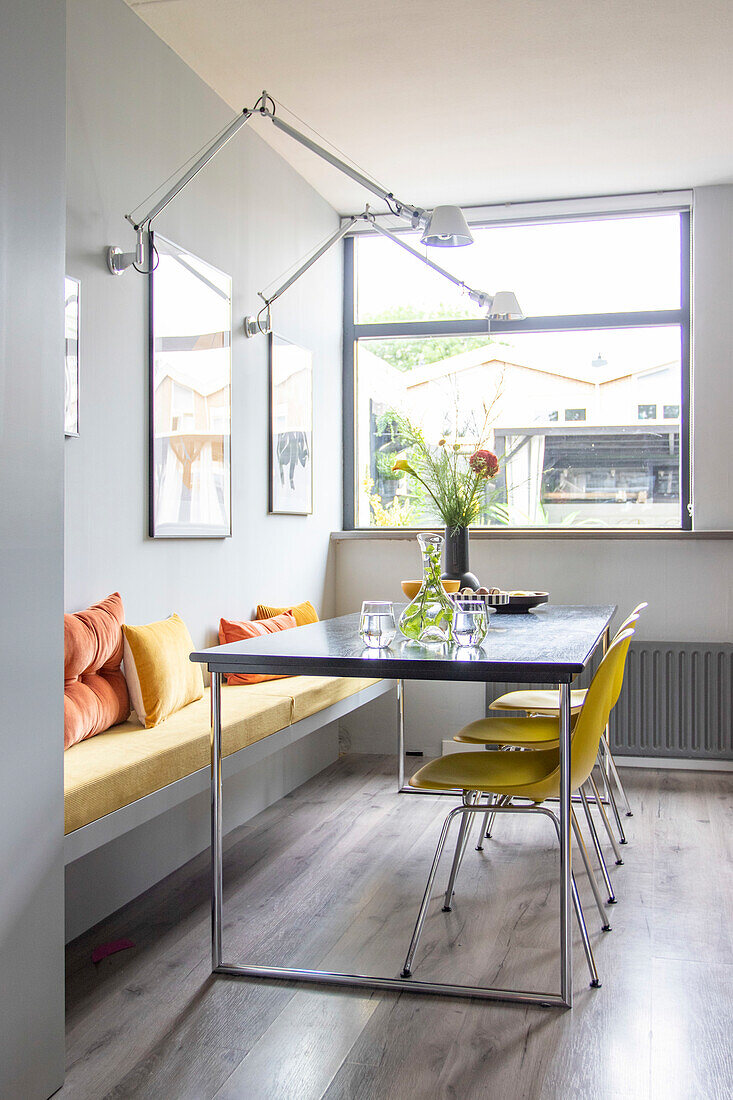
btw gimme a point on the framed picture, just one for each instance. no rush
(72, 298)
(291, 428)
(190, 396)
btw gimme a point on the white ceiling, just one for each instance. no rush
(478, 101)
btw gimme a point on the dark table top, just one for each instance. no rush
(549, 645)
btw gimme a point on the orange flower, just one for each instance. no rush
(403, 465)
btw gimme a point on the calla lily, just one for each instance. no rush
(403, 465)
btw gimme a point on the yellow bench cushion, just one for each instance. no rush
(308, 694)
(127, 762)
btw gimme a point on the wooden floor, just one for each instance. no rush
(331, 877)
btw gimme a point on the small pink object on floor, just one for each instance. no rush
(105, 949)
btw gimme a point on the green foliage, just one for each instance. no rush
(444, 472)
(400, 512)
(405, 353)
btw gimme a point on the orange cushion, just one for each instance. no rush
(238, 632)
(95, 691)
(304, 612)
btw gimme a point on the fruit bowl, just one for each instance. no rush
(522, 602)
(411, 588)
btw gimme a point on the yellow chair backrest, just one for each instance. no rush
(632, 619)
(600, 700)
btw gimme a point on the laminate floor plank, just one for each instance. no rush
(331, 877)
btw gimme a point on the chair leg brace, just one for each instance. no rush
(470, 806)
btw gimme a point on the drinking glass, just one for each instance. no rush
(470, 622)
(377, 625)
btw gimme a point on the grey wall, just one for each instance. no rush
(32, 125)
(135, 113)
(687, 582)
(130, 124)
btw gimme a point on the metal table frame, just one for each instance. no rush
(563, 999)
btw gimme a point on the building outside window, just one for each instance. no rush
(604, 341)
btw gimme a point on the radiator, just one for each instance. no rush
(677, 701)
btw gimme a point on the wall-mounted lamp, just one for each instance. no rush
(445, 227)
(452, 229)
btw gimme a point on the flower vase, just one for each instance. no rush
(456, 558)
(429, 616)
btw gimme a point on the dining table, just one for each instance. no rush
(550, 645)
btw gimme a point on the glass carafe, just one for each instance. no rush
(428, 617)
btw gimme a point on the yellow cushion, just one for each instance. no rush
(309, 694)
(159, 674)
(524, 732)
(537, 702)
(532, 775)
(127, 762)
(304, 612)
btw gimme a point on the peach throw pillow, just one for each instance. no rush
(95, 692)
(238, 632)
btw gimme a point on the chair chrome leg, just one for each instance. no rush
(603, 758)
(487, 822)
(589, 871)
(597, 848)
(606, 822)
(595, 981)
(616, 776)
(463, 834)
(407, 968)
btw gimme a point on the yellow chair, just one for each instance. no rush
(546, 703)
(532, 776)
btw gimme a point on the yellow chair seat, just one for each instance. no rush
(525, 733)
(538, 702)
(533, 775)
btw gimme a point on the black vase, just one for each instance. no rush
(456, 558)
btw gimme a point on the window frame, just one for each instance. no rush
(354, 331)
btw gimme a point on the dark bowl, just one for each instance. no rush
(520, 605)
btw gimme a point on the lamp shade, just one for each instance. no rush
(447, 228)
(505, 307)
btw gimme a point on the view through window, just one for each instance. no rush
(582, 402)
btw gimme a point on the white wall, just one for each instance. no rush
(32, 124)
(688, 582)
(135, 112)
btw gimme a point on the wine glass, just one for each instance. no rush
(470, 622)
(377, 625)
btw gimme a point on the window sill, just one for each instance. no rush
(395, 534)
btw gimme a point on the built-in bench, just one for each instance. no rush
(126, 776)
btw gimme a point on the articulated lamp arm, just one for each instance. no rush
(480, 297)
(118, 261)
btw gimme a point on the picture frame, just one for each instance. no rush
(290, 428)
(72, 334)
(190, 477)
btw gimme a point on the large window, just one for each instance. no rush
(587, 397)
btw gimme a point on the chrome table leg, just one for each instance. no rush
(217, 878)
(400, 735)
(566, 940)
